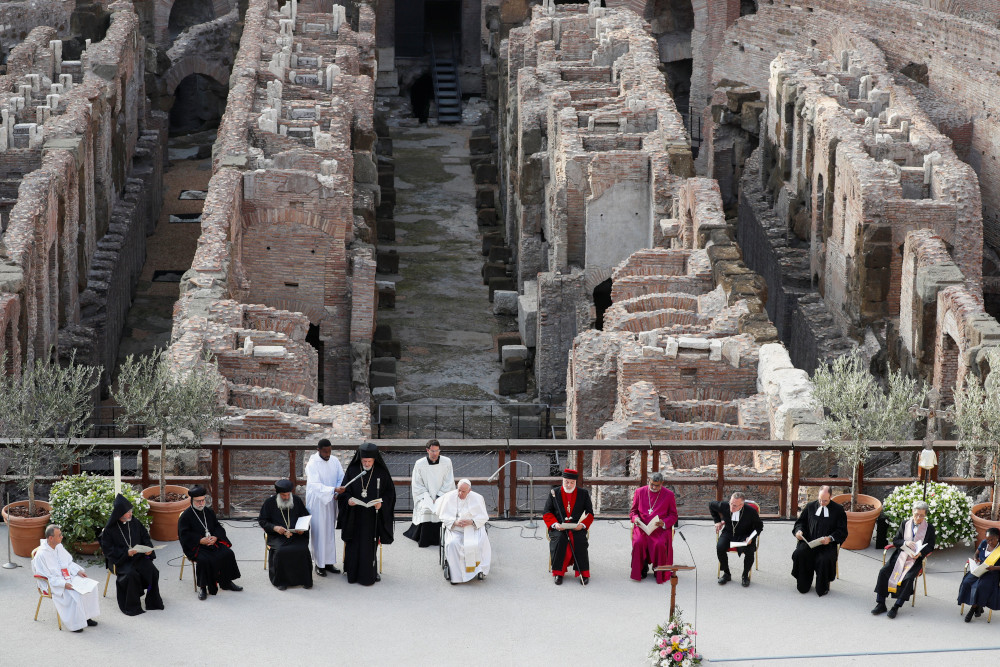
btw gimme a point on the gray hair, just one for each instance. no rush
(738, 494)
(921, 505)
(51, 529)
(656, 477)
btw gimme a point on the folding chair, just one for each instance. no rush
(46, 593)
(961, 611)
(185, 560)
(756, 560)
(922, 573)
(112, 570)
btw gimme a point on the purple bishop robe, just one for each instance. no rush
(657, 548)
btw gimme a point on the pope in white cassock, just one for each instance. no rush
(433, 477)
(76, 608)
(466, 544)
(324, 476)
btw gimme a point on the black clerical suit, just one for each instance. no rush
(823, 559)
(289, 563)
(747, 522)
(363, 528)
(905, 587)
(136, 575)
(213, 564)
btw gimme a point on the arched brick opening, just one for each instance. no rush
(162, 10)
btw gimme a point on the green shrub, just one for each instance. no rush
(82, 504)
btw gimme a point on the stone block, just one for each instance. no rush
(670, 348)
(508, 351)
(382, 332)
(387, 348)
(506, 339)
(386, 261)
(485, 198)
(501, 284)
(269, 351)
(514, 364)
(505, 302)
(527, 313)
(386, 229)
(486, 174)
(737, 97)
(500, 254)
(487, 217)
(493, 270)
(692, 343)
(490, 240)
(383, 364)
(377, 379)
(480, 145)
(384, 394)
(386, 295)
(650, 351)
(513, 382)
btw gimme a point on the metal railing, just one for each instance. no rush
(466, 420)
(247, 469)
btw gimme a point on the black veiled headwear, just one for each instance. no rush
(197, 492)
(283, 486)
(118, 510)
(369, 450)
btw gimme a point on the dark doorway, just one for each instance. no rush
(312, 337)
(198, 105)
(602, 301)
(678, 75)
(418, 21)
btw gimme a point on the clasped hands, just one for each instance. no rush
(209, 541)
(281, 530)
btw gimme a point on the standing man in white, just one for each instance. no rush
(76, 608)
(432, 478)
(324, 476)
(466, 544)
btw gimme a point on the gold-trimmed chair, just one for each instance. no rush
(46, 593)
(922, 573)
(193, 572)
(112, 570)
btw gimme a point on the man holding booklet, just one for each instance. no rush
(73, 593)
(821, 526)
(128, 548)
(568, 515)
(737, 525)
(653, 516)
(981, 584)
(286, 520)
(367, 505)
(913, 542)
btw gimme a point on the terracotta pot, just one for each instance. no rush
(26, 534)
(165, 515)
(982, 524)
(860, 525)
(87, 548)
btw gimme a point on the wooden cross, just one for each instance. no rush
(933, 412)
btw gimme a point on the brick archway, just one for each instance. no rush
(161, 18)
(189, 65)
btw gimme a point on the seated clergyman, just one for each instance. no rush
(466, 544)
(983, 590)
(653, 506)
(568, 516)
(206, 545)
(76, 608)
(913, 542)
(128, 549)
(289, 563)
(432, 478)
(824, 524)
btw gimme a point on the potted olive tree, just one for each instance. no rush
(977, 416)
(178, 406)
(43, 410)
(858, 411)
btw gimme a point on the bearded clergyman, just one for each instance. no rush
(289, 563)
(366, 512)
(205, 543)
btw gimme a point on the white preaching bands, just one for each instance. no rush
(824, 510)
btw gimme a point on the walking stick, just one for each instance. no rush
(378, 494)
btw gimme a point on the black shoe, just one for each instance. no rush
(213, 590)
(879, 609)
(333, 569)
(80, 630)
(203, 593)
(822, 593)
(724, 578)
(586, 580)
(892, 612)
(968, 617)
(91, 622)
(320, 571)
(307, 586)
(558, 580)
(282, 587)
(979, 611)
(234, 588)
(378, 577)
(644, 575)
(746, 581)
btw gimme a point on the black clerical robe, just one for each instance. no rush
(289, 563)
(746, 523)
(569, 547)
(905, 588)
(822, 560)
(363, 528)
(213, 564)
(136, 575)
(981, 591)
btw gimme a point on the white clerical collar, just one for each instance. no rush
(824, 509)
(736, 516)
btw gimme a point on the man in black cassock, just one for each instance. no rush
(735, 521)
(568, 505)
(819, 519)
(136, 574)
(899, 575)
(363, 528)
(205, 544)
(289, 563)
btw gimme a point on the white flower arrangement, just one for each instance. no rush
(950, 511)
(674, 644)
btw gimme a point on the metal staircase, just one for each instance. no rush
(444, 72)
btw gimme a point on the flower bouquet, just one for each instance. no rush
(674, 644)
(81, 504)
(950, 511)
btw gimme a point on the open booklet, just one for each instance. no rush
(143, 549)
(913, 553)
(83, 585)
(648, 528)
(572, 526)
(818, 542)
(977, 569)
(361, 503)
(303, 523)
(737, 545)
